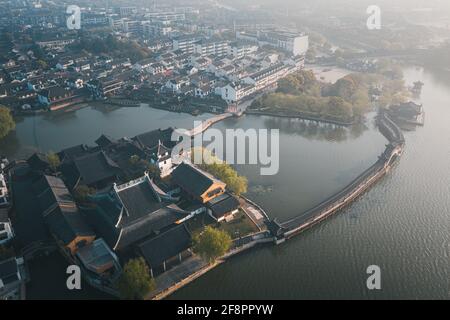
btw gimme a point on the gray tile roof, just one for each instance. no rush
(192, 179)
(166, 245)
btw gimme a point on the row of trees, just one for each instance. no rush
(348, 97)
(301, 92)
(223, 171)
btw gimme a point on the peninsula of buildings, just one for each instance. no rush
(101, 206)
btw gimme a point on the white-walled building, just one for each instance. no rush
(268, 76)
(233, 92)
(239, 51)
(185, 44)
(205, 48)
(292, 42)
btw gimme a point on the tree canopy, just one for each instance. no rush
(6, 122)
(53, 161)
(82, 192)
(222, 170)
(135, 281)
(211, 243)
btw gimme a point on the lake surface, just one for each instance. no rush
(401, 225)
(55, 131)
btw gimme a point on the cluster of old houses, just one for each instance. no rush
(126, 211)
(187, 62)
(230, 71)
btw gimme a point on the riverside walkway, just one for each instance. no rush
(208, 123)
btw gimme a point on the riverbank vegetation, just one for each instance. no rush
(211, 243)
(135, 281)
(7, 123)
(349, 98)
(302, 94)
(220, 169)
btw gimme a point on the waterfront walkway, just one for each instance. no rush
(254, 212)
(177, 277)
(358, 186)
(208, 123)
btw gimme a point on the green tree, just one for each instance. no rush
(6, 122)
(135, 281)
(134, 160)
(339, 107)
(289, 84)
(211, 243)
(81, 193)
(221, 170)
(53, 161)
(153, 170)
(42, 64)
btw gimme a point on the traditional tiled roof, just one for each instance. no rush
(90, 169)
(134, 211)
(152, 138)
(193, 179)
(223, 204)
(166, 245)
(59, 211)
(66, 223)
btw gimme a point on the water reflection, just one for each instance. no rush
(10, 144)
(316, 131)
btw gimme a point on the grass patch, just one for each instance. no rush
(240, 226)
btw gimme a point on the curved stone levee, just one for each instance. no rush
(349, 193)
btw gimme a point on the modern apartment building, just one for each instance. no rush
(218, 48)
(292, 42)
(185, 44)
(241, 50)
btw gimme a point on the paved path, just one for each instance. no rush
(254, 213)
(208, 123)
(177, 277)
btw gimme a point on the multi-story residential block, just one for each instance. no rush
(157, 28)
(105, 87)
(94, 19)
(55, 43)
(234, 92)
(185, 44)
(205, 48)
(170, 16)
(127, 11)
(268, 76)
(239, 51)
(132, 26)
(294, 43)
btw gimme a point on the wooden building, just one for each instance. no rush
(197, 183)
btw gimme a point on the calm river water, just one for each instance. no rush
(401, 225)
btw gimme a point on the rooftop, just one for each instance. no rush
(166, 245)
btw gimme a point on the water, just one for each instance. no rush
(401, 225)
(55, 131)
